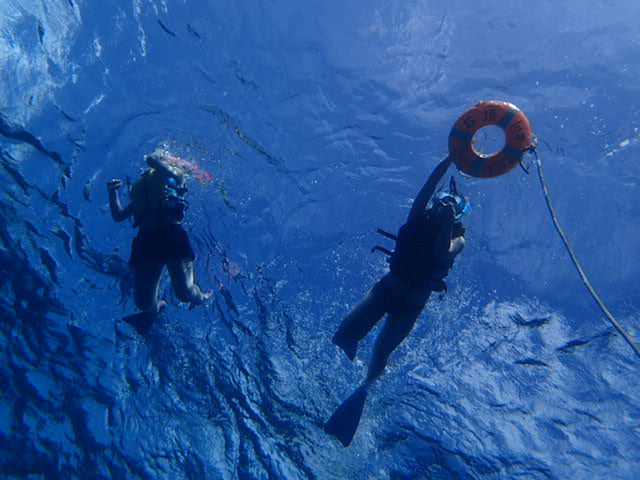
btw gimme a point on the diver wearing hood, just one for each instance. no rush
(426, 246)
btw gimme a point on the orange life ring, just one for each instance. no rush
(518, 138)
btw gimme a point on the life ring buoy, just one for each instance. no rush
(518, 139)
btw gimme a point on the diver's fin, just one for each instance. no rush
(350, 347)
(344, 421)
(141, 321)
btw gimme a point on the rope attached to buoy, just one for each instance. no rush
(575, 261)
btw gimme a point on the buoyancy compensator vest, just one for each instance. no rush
(156, 194)
(413, 259)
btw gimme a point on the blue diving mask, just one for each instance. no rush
(461, 204)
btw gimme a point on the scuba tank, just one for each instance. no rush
(155, 194)
(175, 198)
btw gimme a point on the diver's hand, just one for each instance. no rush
(114, 185)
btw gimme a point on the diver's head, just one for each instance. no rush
(158, 154)
(460, 204)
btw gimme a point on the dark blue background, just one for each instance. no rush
(319, 120)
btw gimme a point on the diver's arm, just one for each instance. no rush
(457, 245)
(426, 192)
(158, 160)
(118, 213)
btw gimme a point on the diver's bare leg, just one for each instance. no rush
(147, 281)
(395, 329)
(362, 319)
(183, 282)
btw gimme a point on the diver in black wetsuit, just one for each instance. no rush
(426, 247)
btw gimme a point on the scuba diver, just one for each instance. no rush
(426, 246)
(157, 205)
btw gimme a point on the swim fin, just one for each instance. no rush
(344, 421)
(350, 347)
(141, 321)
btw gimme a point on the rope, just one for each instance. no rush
(575, 261)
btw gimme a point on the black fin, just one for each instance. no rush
(141, 321)
(345, 420)
(350, 347)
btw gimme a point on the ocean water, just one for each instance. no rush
(319, 122)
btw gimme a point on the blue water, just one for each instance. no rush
(319, 120)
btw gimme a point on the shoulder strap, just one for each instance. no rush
(387, 234)
(147, 200)
(386, 251)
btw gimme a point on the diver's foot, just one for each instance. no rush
(162, 304)
(350, 347)
(203, 301)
